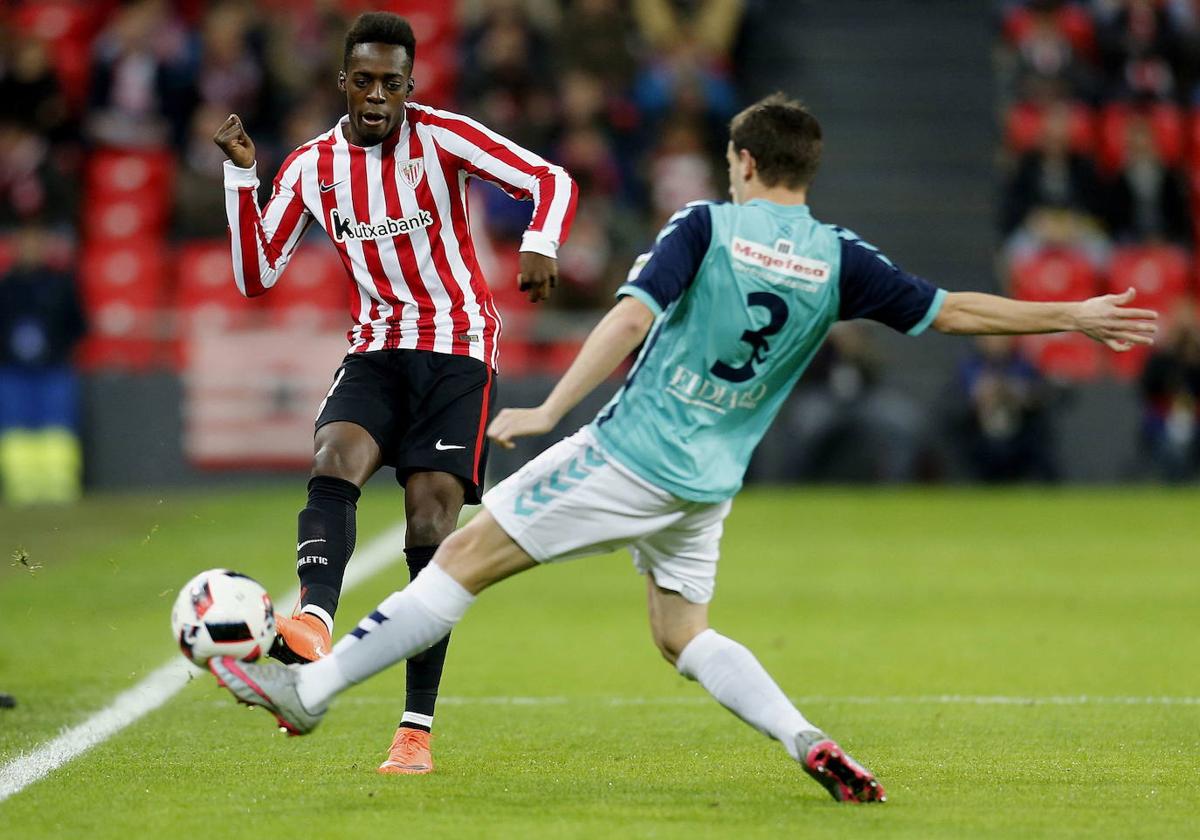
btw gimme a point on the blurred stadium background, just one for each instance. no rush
(1039, 148)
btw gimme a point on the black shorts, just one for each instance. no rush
(427, 411)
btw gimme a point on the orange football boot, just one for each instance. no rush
(302, 638)
(409, 753)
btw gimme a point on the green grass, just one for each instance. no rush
(861, 604)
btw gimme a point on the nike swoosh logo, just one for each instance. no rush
(300, 547)
(327, 187)
(442, 447)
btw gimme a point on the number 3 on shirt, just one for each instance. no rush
(757, 339)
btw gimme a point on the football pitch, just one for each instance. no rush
(1018, 663)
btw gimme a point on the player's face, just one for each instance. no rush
(376, 82)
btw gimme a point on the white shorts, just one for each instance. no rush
(574, 500)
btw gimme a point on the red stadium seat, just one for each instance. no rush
(128, 194)
(1053, 274)
(207, 297)
(1161, 275)
(112, 171)
(1072, 21)
(122, 288)
(517, 356)
(132, 274)
(1166, 124)
(1023, 127)
(125, 218)
(67, 27)
(312, 291)
(1058, 274)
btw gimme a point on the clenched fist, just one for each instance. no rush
(235, 142)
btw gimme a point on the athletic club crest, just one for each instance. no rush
(410, 171)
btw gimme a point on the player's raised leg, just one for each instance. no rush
(345, 456)
(406, 623)
(734, 677)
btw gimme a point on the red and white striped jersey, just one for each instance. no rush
(397, 213)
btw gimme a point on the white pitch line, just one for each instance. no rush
(897, 700)
(162, 684)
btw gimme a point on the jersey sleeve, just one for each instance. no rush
(874, 287)
(263, 241)
(483, 153)
(662, 275)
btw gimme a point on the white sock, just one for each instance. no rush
(406, 623)
(730, 673)
(326, 618)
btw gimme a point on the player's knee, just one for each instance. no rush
(333, 461)
(431, 522)
(432, 502)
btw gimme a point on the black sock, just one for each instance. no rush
(325, 541)
(424, 671)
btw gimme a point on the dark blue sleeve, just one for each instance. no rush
(662, 276)
(872, 286)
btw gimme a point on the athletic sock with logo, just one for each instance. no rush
(406, 623)
(424, 671)
(736, 679)
(324, 543)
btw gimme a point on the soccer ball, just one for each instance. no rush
(223, 613)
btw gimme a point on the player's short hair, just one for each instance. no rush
(380, 28)
(783, 138)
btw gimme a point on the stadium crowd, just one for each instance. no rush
(107, 111)
(111, 191)
(1100, 106)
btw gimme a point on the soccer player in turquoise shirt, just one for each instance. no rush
(728, 308)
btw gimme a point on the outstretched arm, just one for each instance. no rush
(615, 337)
(1106, 318)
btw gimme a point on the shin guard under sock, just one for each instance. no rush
(324, 543)
(423, 671)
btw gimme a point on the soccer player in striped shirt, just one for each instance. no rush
(728, 308)
(388, 184)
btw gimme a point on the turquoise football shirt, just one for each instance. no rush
(744, 295)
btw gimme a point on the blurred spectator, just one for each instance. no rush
(1054, 197)
(683, 84)
(230, 76)
(506, 75)
(844, 423)
(304, 46)
(597, 37)
(681, 170)
(1005, 422)
(199, 193)
(31, 181)
(1149, 201)
(29, 90)
(1171, 394)
(1050, 44)
(1140, 50)
(40, 324)
(707, 25)
(141, 77)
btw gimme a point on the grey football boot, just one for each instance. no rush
(270, 685)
